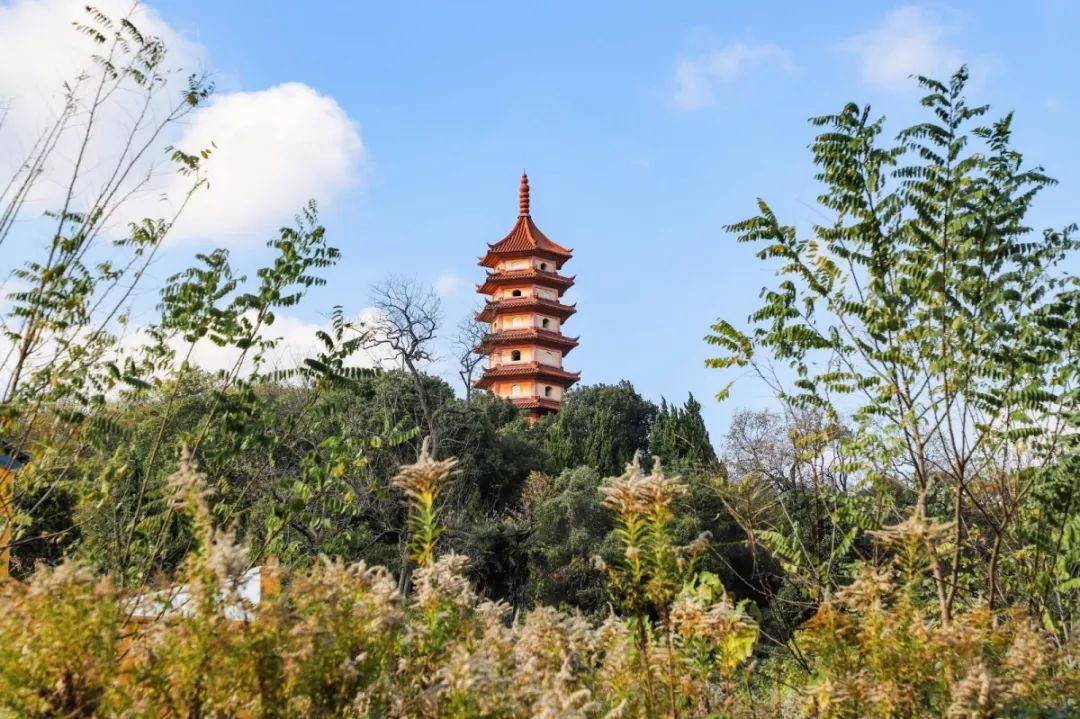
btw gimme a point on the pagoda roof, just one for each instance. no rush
(509, 304)
(524, 370)
(540, 277)
(536, 402)
(528, 335)
(525, 237)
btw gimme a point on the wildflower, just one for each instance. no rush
(426, 477)
(719, 625)
(634, 494)
(868, 590)
(971, 696)
(50, 581)
(916, 529)
(187, 486)
(1024, 660)
(444, 581)
(422, 483)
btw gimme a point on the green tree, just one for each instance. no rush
(679, 436)
(600, 426)
(569, 526)
(927, 309)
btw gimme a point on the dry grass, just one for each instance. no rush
(340, 640)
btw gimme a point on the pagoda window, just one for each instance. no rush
(547, 391)
(543, 266)
(515, 356)
(548, 359)
(515, 390)
(515, 322)
(545, 322)
(516, 293)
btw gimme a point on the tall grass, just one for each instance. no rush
(341, 640)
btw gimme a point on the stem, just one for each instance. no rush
(646, 667)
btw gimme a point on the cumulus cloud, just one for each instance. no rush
(272, 149)
(40, 50)
(909, 42)
(698, 79)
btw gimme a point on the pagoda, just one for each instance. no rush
(525, 345)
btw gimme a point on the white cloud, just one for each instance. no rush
(909, 42)
(296, 342)
(40, 50)
(275, 148)
(295, 337)
(447, 284)
(698, 78)
(273, 151)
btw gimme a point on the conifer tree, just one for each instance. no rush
(679, 435)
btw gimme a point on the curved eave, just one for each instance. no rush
(547, 403)
(527, 370)
(541, 338)
(494, 257)
(551, 280)
(494, 309)
(526, 237)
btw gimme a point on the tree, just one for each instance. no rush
(679, 437)
(72, 297)
(470, 332)
(409, 316)
(930, 307)
(600, 426)
(64, 358)
(569, 526)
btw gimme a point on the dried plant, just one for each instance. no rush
(340, 640)
(423, 483)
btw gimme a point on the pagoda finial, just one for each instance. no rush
(523, 195)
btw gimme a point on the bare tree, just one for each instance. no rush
(785, 451)
(409, 316)
(470, 332)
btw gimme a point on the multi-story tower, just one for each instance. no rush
(526, 346)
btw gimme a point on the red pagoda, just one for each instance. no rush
(524, 307)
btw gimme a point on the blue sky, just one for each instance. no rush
(645, 127)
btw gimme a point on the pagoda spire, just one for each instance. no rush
(523, 196)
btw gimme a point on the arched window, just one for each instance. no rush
(543, 266)
(547, 391)
(545, 322)
(515, 390)
(516, 293)
(515, 356)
